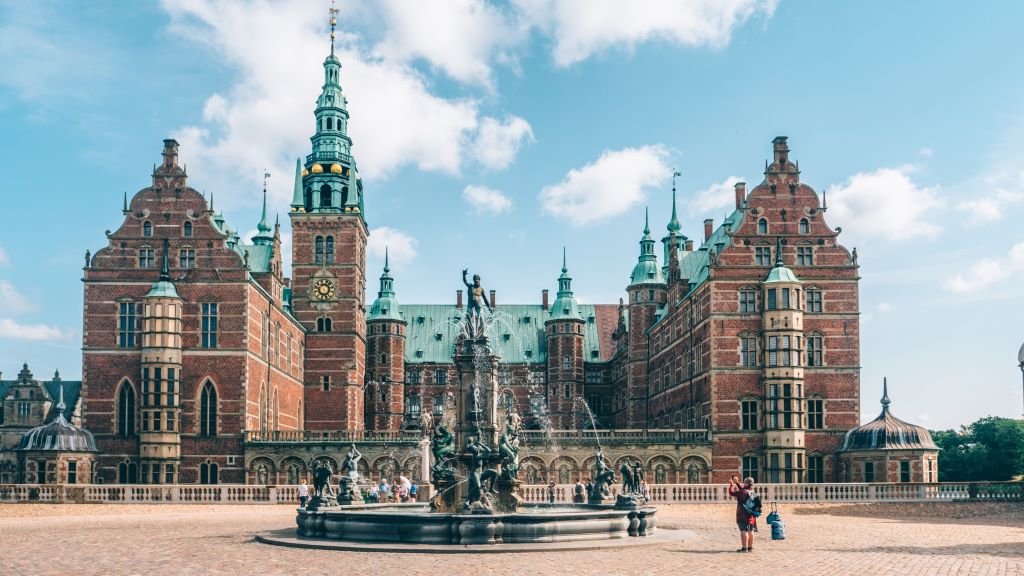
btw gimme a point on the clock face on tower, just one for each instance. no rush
(323, 290)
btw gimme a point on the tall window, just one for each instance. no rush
(762, 256)
(325, 382)
(128, 324)
(748, 301)
(805, 226)
(748, 351)
(748, 415)
(319, 249)
(815, 414)
(208, 473)
(126, 410)
(762, 226)
(73, 472)
(209, 313)
(814, 350)
(147, 229)
(804, 256)
(146, 257)
(413, 406)
(187, 230)
(566, 362)
(323, 324)
(815, 468)
(813, 300)
(127, 472)
(869, 471)
(750, 466)
(439, 405)
(325, 196)
(186, 258)
(440, 376)
(905, 471)
(329, 250)
(413, 376)
(773, 302)
(208, 410)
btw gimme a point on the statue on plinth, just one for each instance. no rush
(478, 500)
(603, 478)
(632, 494)
(321, 482)
(442, 445)
(477, 301)
(350, 465)
(508, 448)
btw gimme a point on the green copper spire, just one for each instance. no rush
(565, 306)
(674, 238)
(673, 224)
(780, 273)
(263, 236)
(297, 196)
(646, 270)
(164, 288)
(385, 307)
(647, 221)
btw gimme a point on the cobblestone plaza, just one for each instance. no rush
(926, 539)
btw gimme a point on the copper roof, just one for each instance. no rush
(887, 432)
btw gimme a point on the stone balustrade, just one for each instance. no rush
(660, 493)
(528, 437)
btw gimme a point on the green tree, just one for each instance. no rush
(989, 449)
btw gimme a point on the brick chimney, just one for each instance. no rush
(544, 299)
(170, 153)
(689, 245)
(741, 194)
(492, 300)
(458, 299)
(709, 226)
(781, 150)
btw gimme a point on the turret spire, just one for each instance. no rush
(673, 224)
(297, 197)
(885, 394)
(647, 221)
(387, 267)
(165, 271)
(334, 21)
(778, 253)
(565, 269)
(263, 235)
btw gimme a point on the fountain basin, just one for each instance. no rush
(534, 523)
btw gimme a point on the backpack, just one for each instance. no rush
(752, 505)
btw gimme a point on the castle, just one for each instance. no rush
(203, 362)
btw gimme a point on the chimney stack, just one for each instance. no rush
(741, 194)
(170, 153)
(781, 151)
(709, 225)
(544, 299)
(492, 300)
(458, 299)
(689, 245)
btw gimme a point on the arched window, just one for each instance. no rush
(325, 196)
(805, 226)
(126, 410)
(187, 230)
(330, 123)
(323, 324)
(274, 413)
(147, 229)
(209, 473)
(762, 226)
(208, 410)
(319, 249)
(329, 250)
(344, 195)
(307, 198)
(127, 472)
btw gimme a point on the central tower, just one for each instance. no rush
(329, 238)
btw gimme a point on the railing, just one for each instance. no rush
(664, 436)
(279, 436)
(660, 493)
(328, 155)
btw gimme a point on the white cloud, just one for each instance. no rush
(264, 119)
(607, 187)
(401, 247)
(988, 271)
(460, 37)
(13, 330)
(715, 197)
(5, 260)
(581, 28)
(886, 204)
(884, 308)
(12, 301)
(486, 200)
(991, 207)
(925, 152)
(497, 143)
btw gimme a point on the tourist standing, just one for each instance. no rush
(589, 487)
(412, 491)
(385, 490)
(303, 493)
(578, 491)
(746, 521)
(374, 493)
(551, 492)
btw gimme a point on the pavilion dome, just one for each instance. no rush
(888, 432)
(58, 435)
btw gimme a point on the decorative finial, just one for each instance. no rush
(564, 267)
(60, 401)
(334, 21)
(165, 272)
(263, 227)
(124, 207)
(885, 394)
(778, 253)
(387, 266)
(675, 174)
(647, 221)
(211, 201)
(673, 224)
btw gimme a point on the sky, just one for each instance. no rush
(490, 135)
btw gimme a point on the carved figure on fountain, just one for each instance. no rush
(604, 477)
(481, 480)
(350, 465)
(442, 446)
(477, 302)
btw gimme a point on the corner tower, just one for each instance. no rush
(329, 237)
(385, 359)
(564, 330)
(646, 295)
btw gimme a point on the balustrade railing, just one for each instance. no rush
(563, 493)
(287, 436)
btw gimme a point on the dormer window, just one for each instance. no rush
(147, 229)
(187, 230)
(805, 226)
(762, 226)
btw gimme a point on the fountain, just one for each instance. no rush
(475, 476)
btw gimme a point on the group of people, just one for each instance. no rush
(400, 490)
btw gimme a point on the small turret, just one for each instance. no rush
(565, 306)
(647, 270)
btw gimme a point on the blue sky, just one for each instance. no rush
(490, 135)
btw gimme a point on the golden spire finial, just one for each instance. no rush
(334, 21)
